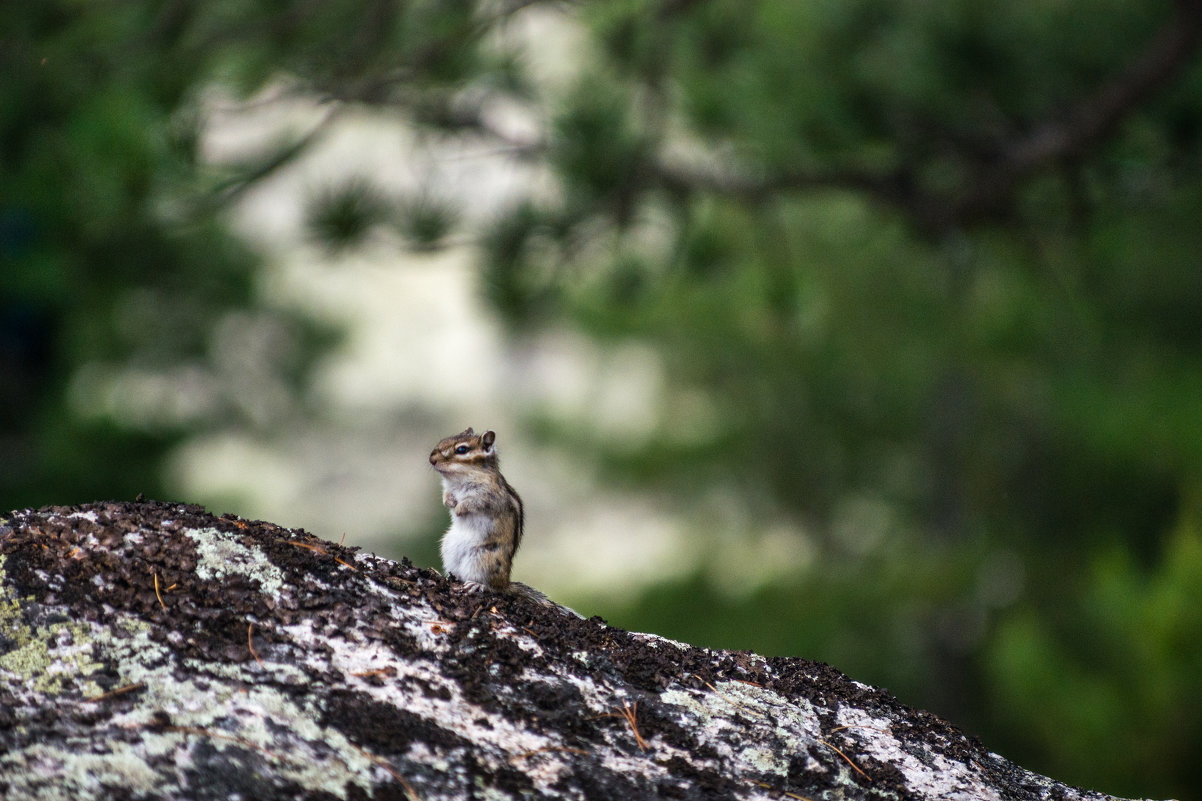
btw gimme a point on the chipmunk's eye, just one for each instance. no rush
(462, 449)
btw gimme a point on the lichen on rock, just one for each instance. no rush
(155, 651)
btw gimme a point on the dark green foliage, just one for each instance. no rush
(425, 223)
(937, 257)
(596, 145)
(342, 217)
(520, 251)
(107, 262)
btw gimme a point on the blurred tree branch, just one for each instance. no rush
(270, 163)
(1097, 116)
(991, 172)
(988, 187)
(1068, 137)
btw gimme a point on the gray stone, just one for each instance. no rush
(155, 651)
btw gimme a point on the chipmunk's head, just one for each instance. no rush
(464, 452)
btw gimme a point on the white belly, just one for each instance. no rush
(461, 547)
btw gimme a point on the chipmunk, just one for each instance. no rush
(487, 515)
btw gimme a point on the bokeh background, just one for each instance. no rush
(868, 331)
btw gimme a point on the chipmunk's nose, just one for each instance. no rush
(434, 456)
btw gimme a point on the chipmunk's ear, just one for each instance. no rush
(488, 439)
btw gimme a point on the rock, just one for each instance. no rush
(154, 651)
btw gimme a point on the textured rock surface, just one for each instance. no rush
(152, 650)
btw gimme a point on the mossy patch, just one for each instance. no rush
(50, 656)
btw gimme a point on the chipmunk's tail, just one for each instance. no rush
(529, 593)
